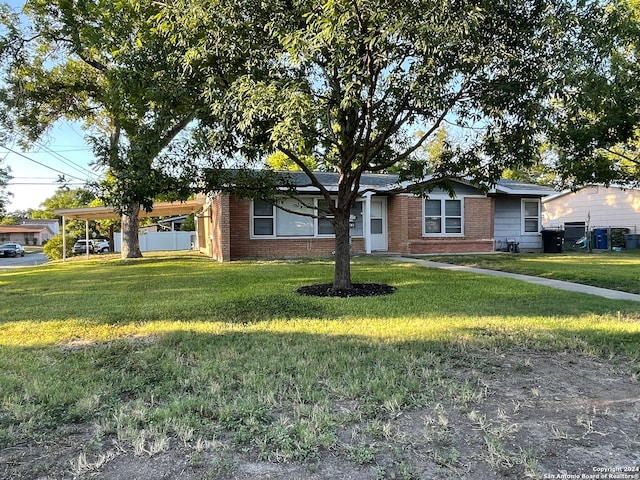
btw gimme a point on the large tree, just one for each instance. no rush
(349, 82)
(596, 117)
(104, 64)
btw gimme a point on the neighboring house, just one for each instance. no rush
(26, 234)
(173, 224)
(53, 224)
(592, 207)
(386, 218)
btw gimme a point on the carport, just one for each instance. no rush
(160, 209)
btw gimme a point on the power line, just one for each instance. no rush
(59, 185)
(47, 183)
(65, 160)
(42, 164)
(35, 178)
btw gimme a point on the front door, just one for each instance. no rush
(378, 224)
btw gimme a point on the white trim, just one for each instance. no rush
(523, 217)
(442, 199)
(383, 237)
(366, 220)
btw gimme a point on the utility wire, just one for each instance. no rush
(65, 160)
(42, 164)
(47, 183)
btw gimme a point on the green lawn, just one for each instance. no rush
(615, 270)
(189, 348)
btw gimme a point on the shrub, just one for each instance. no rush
(53, 248)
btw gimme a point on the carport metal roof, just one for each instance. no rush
(160, 209)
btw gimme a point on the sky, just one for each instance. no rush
(35, 171)
(63, 151)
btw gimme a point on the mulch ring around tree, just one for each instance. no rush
(356, 290)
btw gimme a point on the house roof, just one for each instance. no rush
(160, 209)
(32, 228)
(514, 187)
(368, 181)
(391, 182)
(569, 192)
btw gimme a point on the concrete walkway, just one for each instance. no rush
(547, 282)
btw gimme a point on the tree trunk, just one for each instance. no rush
(342, 275)
(130, 242)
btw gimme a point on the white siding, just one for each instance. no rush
(598, 206)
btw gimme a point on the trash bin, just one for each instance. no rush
(600, 238)
(552, 241)
(632, 240)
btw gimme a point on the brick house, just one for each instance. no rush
(386, 218)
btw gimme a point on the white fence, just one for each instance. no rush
(156, 241)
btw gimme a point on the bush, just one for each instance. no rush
(53, 248)
(617, 236)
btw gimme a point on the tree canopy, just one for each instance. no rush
(349, 83)
(105, 65)
(356, 85)
(596, 114)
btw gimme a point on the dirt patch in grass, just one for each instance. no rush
(531, 415)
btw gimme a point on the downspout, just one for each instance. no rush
(367, 222)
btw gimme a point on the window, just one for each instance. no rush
(325, 226)
(357, 230)
(531, 216)
(289, 224)
(442, 217)
(270, 221)
(262, 218)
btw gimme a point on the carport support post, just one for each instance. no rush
(64, 238)
(86, 233)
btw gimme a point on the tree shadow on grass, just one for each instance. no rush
(263, 308)
(255, 294)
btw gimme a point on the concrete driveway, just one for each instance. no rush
(29, 260)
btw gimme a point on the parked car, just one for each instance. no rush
(81, 247)
(101, 246)
(11, 250)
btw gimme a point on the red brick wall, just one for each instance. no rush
(220, 228)
(478, 229)
(243, 246)
(479, 218)
(397, 223)
(230, 232)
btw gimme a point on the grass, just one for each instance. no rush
(606, 269)
(183, 347)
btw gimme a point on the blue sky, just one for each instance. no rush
(35, 171)
(63, 151)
